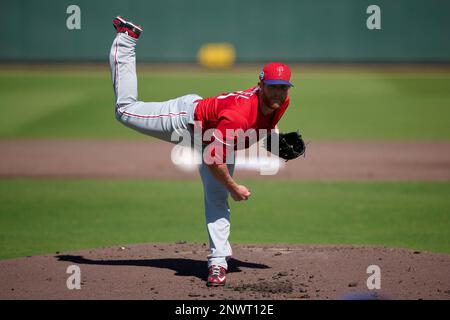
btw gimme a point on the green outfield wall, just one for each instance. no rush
(260, 30)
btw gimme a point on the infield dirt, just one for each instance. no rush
(178, 271)
(147, 159)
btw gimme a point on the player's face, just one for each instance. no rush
(274, 95)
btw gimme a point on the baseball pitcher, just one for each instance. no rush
(226, 116)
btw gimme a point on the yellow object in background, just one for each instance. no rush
(216, 55)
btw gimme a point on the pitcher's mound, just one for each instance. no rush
(178, 271)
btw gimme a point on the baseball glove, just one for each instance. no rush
(290, 146)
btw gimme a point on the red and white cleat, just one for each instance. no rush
(124, 26)
(217, 276)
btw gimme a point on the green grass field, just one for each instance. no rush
(332, 106)
(46, 216)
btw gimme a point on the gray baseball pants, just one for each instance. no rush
(162, 120)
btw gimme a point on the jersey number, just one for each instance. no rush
(238, 94)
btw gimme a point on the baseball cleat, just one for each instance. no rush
(217, 276)
(124, 26)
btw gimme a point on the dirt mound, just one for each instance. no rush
(178, 271)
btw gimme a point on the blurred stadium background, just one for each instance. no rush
(293, 31)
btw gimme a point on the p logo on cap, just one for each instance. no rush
(276, 73)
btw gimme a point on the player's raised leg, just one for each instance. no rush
(122, 61)
(157, 119)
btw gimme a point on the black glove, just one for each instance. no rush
(291, 145)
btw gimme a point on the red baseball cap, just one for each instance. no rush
(276, 73)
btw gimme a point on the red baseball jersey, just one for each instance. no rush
(230, 112)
